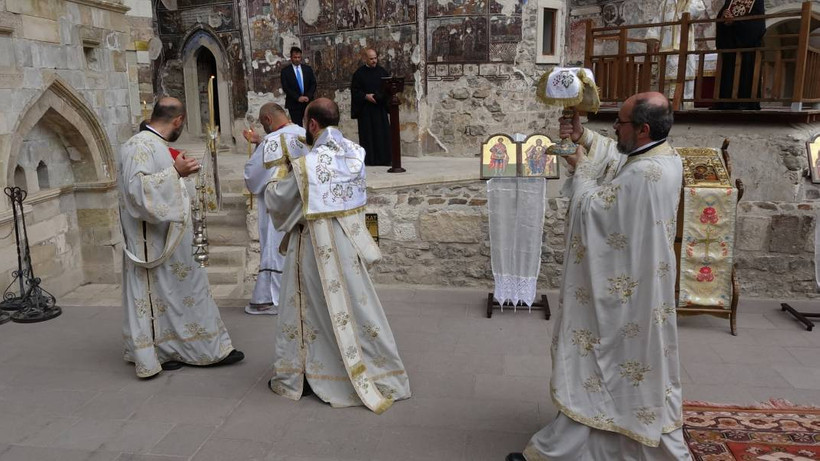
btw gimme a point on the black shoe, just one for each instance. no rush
(306, 390)
(234, 357)
(172, 365)
(515, 457)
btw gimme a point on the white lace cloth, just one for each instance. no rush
(517, 207)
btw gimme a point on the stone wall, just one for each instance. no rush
(66, 79)
(438, 235)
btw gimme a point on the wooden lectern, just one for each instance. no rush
(393, 86)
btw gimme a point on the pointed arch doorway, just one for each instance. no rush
(203, 56)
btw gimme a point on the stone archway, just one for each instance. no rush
(200, 41)
(60, 152)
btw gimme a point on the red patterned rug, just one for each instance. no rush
(774, 431)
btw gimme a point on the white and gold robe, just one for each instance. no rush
(332, 329)
(669, 40)
(169, 311)
(615, 370)
(257, 175)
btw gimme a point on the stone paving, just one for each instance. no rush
(480, 386)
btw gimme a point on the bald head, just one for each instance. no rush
(272, 116)
(166, 110)
(371, 58)
(652, 109)
(324, 111)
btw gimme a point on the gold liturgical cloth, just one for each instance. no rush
(708, 230)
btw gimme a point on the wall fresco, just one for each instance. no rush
(456, 8)
(320, 50)
(219, 18)
(396, 11)
(395, 47)
(317, 16)
(457, 39)
(354, 14)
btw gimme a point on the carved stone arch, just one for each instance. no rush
(68, 113)
(200, 37)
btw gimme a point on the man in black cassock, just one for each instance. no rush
(739, 34)
(369, 107)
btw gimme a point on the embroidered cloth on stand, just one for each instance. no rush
(517, 207)
(709, 219)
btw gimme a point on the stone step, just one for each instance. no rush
(228, 256)
(234, 201)
(226, 291)
(232, 218)
(232, 185)
(227, 235)
(224, 275)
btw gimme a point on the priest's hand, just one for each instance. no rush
(252, 137)
(577, 157)
(573, 130)
(186, 165)
(370, 98)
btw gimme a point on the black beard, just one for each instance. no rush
(175, 135)
(309, 138)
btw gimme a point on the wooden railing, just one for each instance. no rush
(787, 74)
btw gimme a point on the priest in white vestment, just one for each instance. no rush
(171, 318)
(668, 39)
(279, 132)
(332, 332)
(615, 371)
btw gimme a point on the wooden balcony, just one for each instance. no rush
(786, 77)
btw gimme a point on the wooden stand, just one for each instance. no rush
(731, 313)
(393, 86)
(543, 305)
(801, 316)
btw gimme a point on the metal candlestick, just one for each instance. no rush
(34, 304)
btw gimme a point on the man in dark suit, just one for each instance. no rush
(299, 85)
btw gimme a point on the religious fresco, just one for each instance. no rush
(317, 16)
(457, 39)
(218, 17)
(395, 46)
(395, 11)
(613, 14)
(349, 49)
(170, 23)
(500, 8)
(263, 33)
(505, 29)
(355, 14)
(320, 50)
(456, 8)
(258, 7)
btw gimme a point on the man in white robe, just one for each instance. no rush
(332, 332)
(667, 39)
(170, 317)
(279, 132)
(615, 371)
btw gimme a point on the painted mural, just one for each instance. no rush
(396, 12)
(459, 39)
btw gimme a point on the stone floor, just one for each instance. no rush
(479, 385)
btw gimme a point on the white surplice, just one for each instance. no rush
(258, 174)
(332, 329)
(615, 361)
(169, 311)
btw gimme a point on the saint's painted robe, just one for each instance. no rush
(257, 176)
(332, 329)
(169, 311)
(615, 370)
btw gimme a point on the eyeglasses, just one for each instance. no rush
(619, 122)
